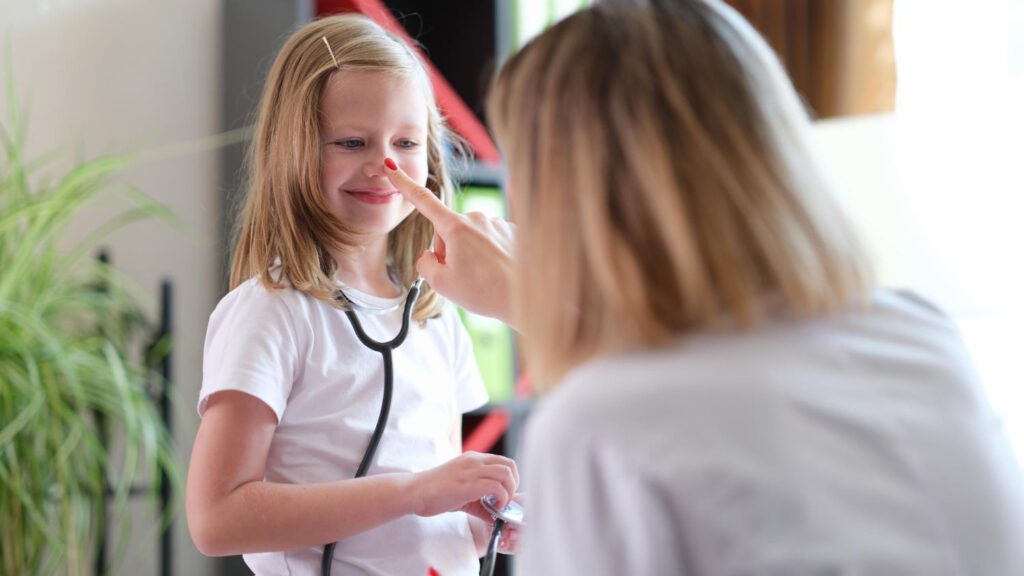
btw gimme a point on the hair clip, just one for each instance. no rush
(324, 38)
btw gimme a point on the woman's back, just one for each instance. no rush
(859, 443)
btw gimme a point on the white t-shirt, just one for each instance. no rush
(302, 358)
(858, 444)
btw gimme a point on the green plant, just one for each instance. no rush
(72, 356)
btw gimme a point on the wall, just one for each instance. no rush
(938, 200)
(109, 76)
(937, 185)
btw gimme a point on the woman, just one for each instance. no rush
(728, 393)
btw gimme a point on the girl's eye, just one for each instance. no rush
(350, 144)
(407, 143)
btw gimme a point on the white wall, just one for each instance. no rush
(109, 76)
(938, 187)
(939, 201)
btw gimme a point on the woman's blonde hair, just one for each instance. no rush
(662, 182)
(284, 217)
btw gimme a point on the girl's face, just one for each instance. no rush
(366, 117)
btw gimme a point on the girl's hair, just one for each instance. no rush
(284, 217)
(662, 182)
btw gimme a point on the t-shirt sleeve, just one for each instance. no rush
(590, 509)
(250, 347)
(470, 392)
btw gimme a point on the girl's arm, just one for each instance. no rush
(231, 510)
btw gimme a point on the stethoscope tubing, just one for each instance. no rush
(385, 349)
(490, 557)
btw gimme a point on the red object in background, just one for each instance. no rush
(487, 433)
(433, 572)
(459, 116)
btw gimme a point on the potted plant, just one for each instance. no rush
(78, 425)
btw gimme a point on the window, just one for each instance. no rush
(959, 139)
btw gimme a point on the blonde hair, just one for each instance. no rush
(662, 182)
(284, 217)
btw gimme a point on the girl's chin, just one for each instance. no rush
(371, 220)
(371, 230)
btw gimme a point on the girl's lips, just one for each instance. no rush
(372, 197)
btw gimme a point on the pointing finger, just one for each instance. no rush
(420, 197)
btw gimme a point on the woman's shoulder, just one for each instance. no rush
(908, 306)
(704, 380)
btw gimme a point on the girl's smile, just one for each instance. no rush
(373, 196)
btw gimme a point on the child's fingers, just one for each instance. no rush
(495, 488)
(506, 462)
(420, 197)
(503, 477)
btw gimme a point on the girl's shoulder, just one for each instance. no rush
(255, 298)
(449, 319)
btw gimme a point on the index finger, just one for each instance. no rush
(420, 197)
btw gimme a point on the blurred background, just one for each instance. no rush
(918, 108)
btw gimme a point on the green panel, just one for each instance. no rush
(492, 340)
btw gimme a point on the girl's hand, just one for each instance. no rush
(460, 483)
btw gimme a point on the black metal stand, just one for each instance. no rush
(164, 369)
(163, 402)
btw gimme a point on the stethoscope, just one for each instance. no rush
(501, 517)
(385, 349)
(511, 514)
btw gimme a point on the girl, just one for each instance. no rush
(290, 397)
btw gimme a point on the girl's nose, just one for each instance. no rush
(374, 166)
(374, 169)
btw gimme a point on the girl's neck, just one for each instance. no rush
(366, 270)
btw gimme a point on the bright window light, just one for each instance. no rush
(959, 140)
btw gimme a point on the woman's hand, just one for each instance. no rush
(481, 527)
(460, 483)
(508, 543)
(472, 259)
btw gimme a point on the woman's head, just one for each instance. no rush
(341, 95)
(660, 177)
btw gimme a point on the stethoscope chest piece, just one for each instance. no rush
(512, 513)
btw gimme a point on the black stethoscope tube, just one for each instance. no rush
(385, 349)
(487, 569)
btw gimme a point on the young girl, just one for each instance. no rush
(290, 397)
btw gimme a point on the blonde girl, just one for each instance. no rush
(289, 396)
